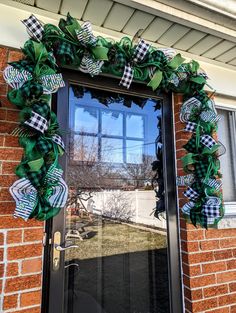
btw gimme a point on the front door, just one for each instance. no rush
(114, 249)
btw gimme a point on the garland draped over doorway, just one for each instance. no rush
(41, 191)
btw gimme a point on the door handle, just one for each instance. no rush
(60, 248)
(57, 249)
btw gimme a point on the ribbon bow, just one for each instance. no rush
(16, 79)
(188, 107)
(185, 180)
(138, 55)
(34, 27)
(54, 193)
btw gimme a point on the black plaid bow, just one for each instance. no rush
(139, 54)
(34, 27)
(191, 194)
(190, 127)
(207, 141)
(37, 122)
(58, 140)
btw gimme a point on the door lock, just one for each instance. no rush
(58, 248)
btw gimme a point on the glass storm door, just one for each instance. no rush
(109, 253)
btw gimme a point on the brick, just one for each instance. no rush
(2, 139)
(12, 269)
(7, 180)
(1, 270)
(209, 245)
(231, 264)
(1, 255)
(9, 167)
(192, 295)
(11, 154)
(221, 310)
(7, 208)
(3, 114)
(190, 246)
(215, 291)
(227, 299)
(3, 57)
(223, 255)
(221, 233)
(14, 236)
(201, 281)
(203, 305)
(30, 298)
(7, 128)
(11, 141)
(193, 235)
(191, 270)
(14, 55)
(12, 116)
(233, 309)
(33, 234)
(5, 195)
(1, 239)
(226, 277)
(10, 302)
(228, 243)
(11, 222)
(200, 257)
(232, 287)
(31, 266)
(5, 103)
(24, 251)
(22, 283)
(213, 267)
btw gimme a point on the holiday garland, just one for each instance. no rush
(41, 192)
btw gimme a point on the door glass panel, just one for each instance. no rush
(120, 265)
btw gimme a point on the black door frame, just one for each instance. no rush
(53, 296)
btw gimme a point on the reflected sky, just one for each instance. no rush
(124, 135)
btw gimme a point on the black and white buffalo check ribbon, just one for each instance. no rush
(187, 207)
(188, 107)
(190, 127)
(16, 78)
(211, 208)
(185, 180)
(139, 54)
(37, 122)
(191, 194)
(213, 183)
(34, 27)
(58, 140)
(207, 141)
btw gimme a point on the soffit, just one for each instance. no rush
(127, 19)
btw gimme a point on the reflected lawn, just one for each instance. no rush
(106, 238)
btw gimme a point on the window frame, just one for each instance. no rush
(230, 206)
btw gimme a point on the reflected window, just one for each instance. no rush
(115, 134)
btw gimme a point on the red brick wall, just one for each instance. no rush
(20, 242)
(208, 256)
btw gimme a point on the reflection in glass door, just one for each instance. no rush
(120, 265)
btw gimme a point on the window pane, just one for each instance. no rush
(134, 151)
(85, 148)
(86, 120)
(112, 150)
(227, 169)
(135, 126)
(112, 123)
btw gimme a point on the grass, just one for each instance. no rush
(107, 238)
